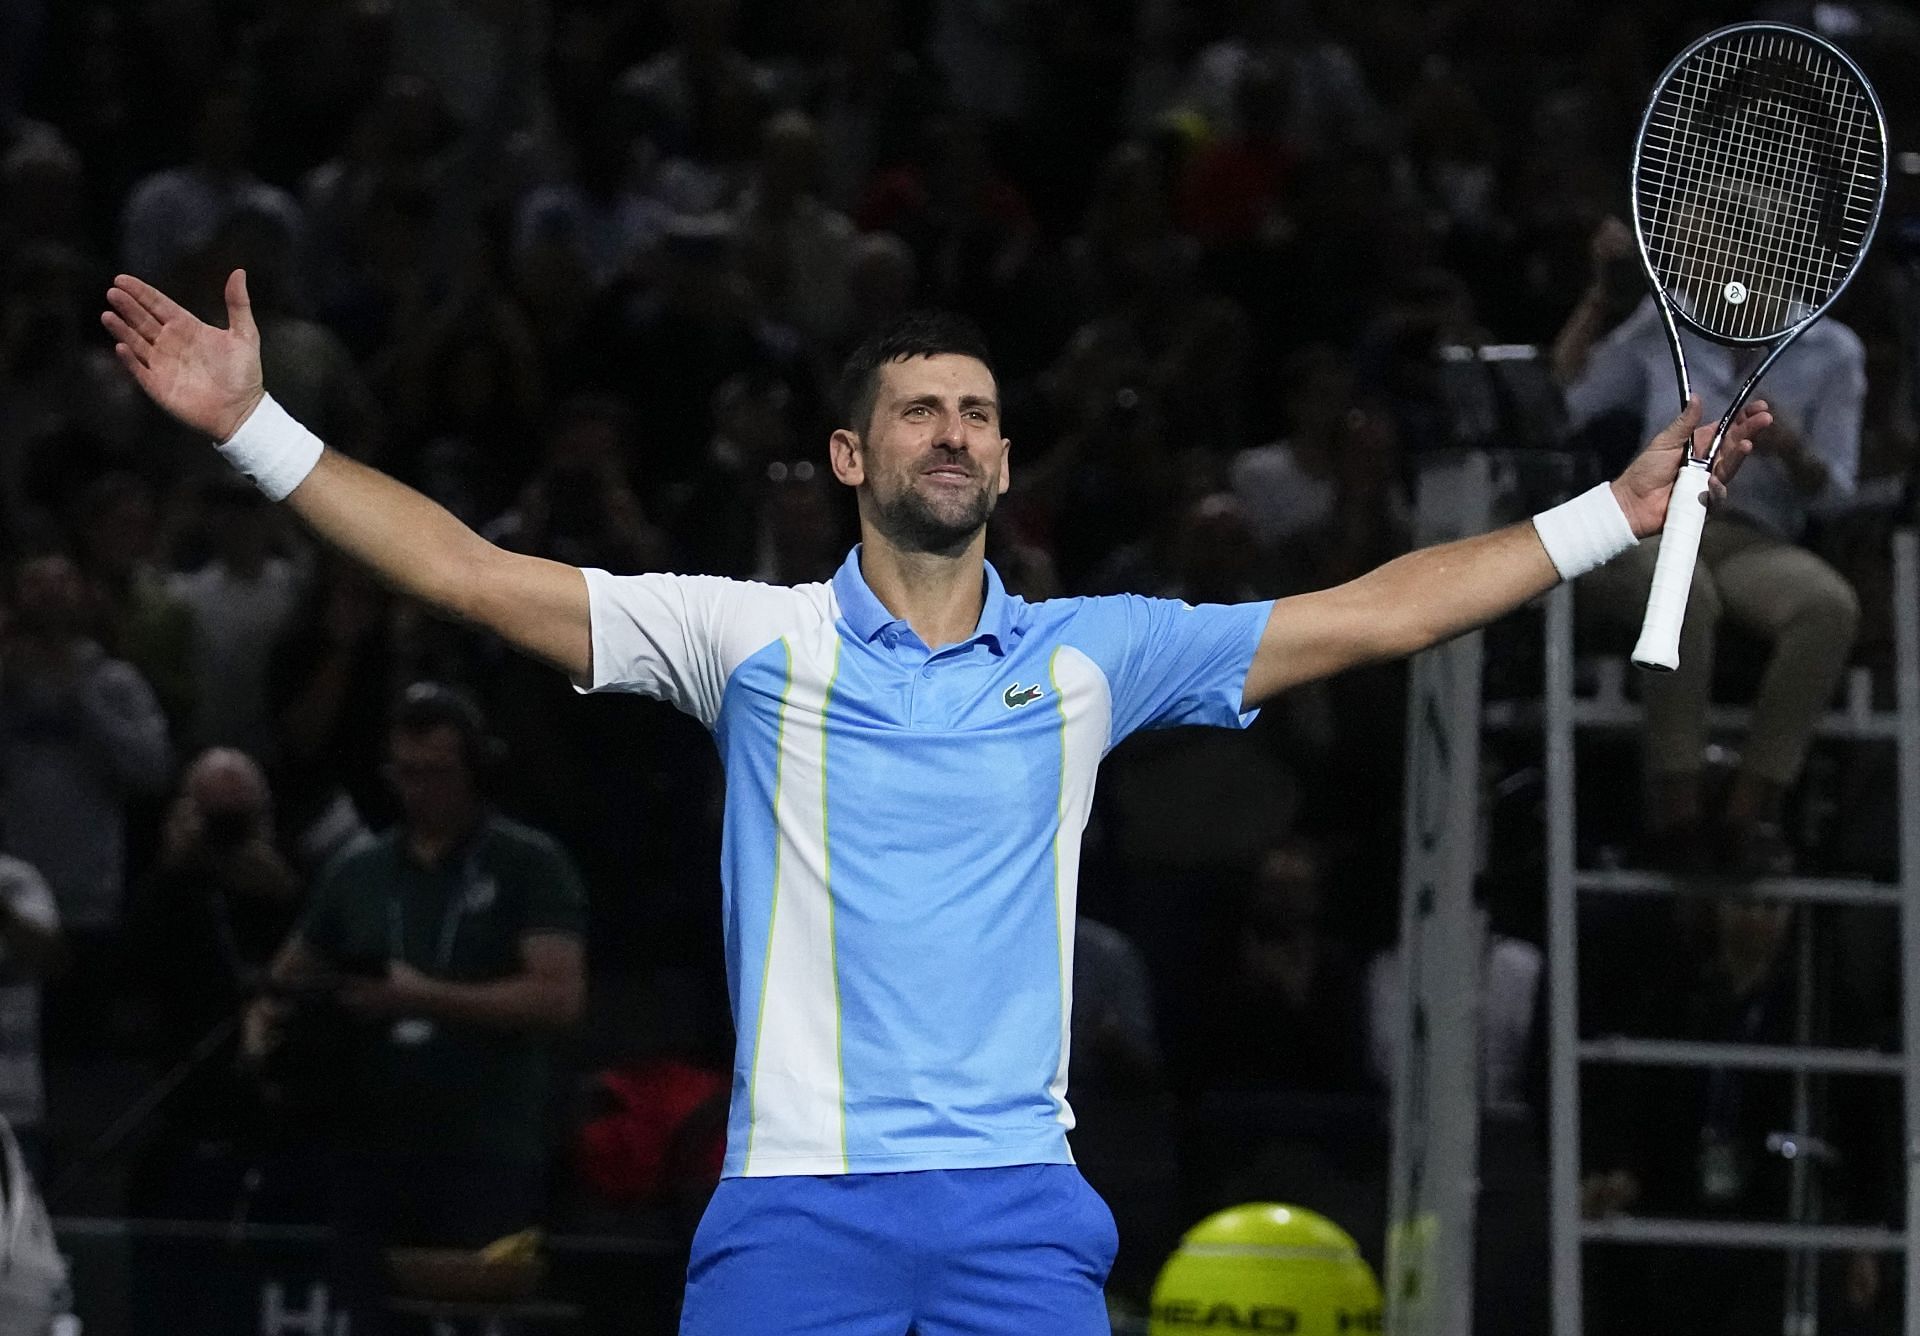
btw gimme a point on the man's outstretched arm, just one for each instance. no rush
(209, 379)
(1439, 592)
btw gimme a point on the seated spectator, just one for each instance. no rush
(448, 951)
(65, 406)
(1752, 569)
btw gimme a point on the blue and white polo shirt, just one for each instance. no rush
(902, 842)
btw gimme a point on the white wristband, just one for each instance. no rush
(1588, 531)
(273, 449)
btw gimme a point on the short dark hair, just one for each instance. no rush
(926, 333)
(426, 707)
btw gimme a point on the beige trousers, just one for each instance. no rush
(1768, 585)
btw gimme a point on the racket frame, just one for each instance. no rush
(1671, 315)
(1658, 646)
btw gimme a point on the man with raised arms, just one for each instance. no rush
(910, 755)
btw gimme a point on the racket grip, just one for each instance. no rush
(1659, 646)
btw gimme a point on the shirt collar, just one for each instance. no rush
(867, 616)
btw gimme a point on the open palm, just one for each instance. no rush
(207, 378)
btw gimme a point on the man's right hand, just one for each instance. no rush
(207, 378)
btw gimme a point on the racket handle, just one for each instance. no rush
(1659, 646)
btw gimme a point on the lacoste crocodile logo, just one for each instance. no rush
(1017, 696)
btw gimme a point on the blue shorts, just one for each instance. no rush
(942, 1252)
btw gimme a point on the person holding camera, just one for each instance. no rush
(203, 931)
(430, 969)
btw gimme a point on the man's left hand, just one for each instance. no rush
(1642, 490)
(402, 992)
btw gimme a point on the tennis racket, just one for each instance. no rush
(1757, 182)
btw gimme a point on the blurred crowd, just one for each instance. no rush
(583, 271)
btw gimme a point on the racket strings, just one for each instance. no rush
(1758, 182)
(1764, 195)
(1766, 186)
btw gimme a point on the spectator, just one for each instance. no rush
(673, 345)
(1124, 1115)
(1326, 501)
(1753, 568)
(580, 508)
(138, 617)
(240, 602)
(487, 62)
(200, 937)
(174, 213)
(1287, 1109)
(453, 944)
(65, 411)
(1304, 984)
(607, 217)
(300, 353)
(401, 136)
(1235, 188)
(82, 733)
(31, 950)
(865, 95)
(969, 225)
(797, 247)
(1329, 106)
(1703, 1143)
(882, 281)
(702, 79)
(990, 49)
(330, 679)
(43, 186)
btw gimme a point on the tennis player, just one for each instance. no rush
(910, 755)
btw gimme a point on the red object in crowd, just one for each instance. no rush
(652, 1143)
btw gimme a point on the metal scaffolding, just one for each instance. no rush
(1566, 713)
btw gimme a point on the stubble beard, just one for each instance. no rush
(914, 523)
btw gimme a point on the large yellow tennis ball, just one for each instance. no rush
(1266, 1268)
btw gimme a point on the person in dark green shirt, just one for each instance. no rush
(451, 947)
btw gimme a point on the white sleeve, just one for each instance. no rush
(679, 637)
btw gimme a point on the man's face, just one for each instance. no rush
(429, 771)
(932, 463)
